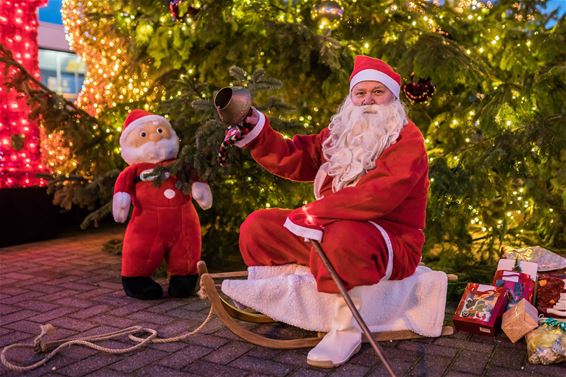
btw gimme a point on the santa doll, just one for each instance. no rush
(164, 222)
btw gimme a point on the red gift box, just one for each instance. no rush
(519, 284)
(480, 309)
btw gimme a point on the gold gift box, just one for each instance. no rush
(519, 320)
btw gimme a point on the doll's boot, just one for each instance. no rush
(141, 287)
(342, 342)
(182, 286)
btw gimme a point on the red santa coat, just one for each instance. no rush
(164, 223)
(392, 197)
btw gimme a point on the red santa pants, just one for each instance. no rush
(356, 249)
(157, 232)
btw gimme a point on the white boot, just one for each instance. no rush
(342, 342)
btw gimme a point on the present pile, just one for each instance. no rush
(527, 297)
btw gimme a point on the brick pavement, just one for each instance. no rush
(75, 286)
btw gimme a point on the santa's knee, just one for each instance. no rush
(253, 230)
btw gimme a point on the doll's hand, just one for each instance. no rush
(201, 193)
(121, 206)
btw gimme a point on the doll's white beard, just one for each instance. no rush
(358, 136)
(152, 151)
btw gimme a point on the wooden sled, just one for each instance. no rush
(229, 314)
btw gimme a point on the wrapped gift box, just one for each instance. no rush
(519, 320)
(519, 278)
(480, 309)
(551, 294)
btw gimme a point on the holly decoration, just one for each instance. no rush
(419, 92)
(174, 8)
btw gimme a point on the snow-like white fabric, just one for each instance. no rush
(289, 294)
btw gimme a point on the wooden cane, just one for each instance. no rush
(351, 305)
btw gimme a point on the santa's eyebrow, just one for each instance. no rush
(377, 86)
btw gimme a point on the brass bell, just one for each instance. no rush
(233, 104)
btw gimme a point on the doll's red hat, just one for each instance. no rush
(367, 68)
(137, 117)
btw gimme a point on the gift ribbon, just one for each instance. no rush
(553, 322)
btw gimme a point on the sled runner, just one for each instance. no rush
(231, 315)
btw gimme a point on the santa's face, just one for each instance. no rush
(371, 93)
(358, 136)
(152, 141)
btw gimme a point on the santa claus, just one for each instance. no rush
(164, 222)
(370, 173)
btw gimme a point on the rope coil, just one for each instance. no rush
(40, 346)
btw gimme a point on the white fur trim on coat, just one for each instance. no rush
(389, 268)
(253, 133)
(301, 231)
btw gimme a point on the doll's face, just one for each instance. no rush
(152, 131)
(151, 141)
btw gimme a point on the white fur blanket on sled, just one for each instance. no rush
(288, 294)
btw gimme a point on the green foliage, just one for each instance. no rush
(495, 128)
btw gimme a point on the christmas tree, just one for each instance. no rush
(484, 82)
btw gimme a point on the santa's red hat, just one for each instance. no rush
(367, 68)
(137, 117)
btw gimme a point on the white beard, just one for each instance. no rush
(152, 151)
(358, 136)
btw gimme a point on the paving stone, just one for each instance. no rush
(207, 369)
(349, 370)
(38, 306)
(105, 372)
(433, 349)
(471, 362)
(89, 365)
(89, 312)
(114, 320)
(159, 319)
(165, 306)
(206, 340)
(228, 352)
(467, 345)
(508, 358)
(400, 368)
(303, 372)
(12, 291)
(16, 316)
(368, 357)
(557, 370)
(138, 359)
(29, 295)
(503, 372)
(132, 307)
(185, 356)
(267, 367)
(296, 357)
(75, 302)
(161, 371)
(72, 324)
(455, 373)
(51, 315)
(430, 365)
(7, 309)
